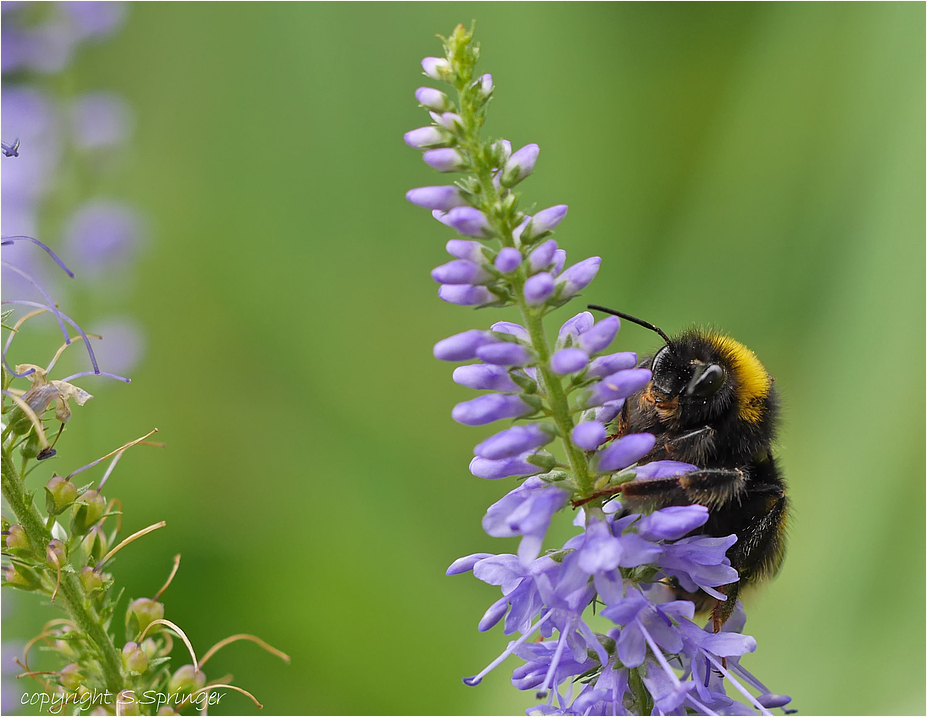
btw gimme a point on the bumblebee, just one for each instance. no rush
(711, 403)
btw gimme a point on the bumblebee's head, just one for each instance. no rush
(700, 377)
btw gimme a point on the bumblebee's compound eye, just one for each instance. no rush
(663, 369)
(706, 382)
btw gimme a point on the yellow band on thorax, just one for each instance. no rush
(753, 382)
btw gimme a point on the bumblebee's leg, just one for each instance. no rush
(708, 486)
(759, 549)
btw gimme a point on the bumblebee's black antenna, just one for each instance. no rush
(639, 322)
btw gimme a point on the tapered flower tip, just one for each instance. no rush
(539, 288)
(568, 360)
(469, 221)
(625, 452)
(441, 197)
(466, 295)
(612, 363)
(437, 68)
(462, 346)
(619, 385)
(578, 276)
(486, 409)
(572, 328)
(589, 435)
(466, 563)
(512, 329)
(672, 523)
(515, 440)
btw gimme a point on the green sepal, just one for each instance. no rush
(523, 381)
(542, 459)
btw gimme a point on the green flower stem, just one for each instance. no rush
(70, 592)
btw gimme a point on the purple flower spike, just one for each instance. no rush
(520, 165)
(504, 353)
(508, 260)
(539, 288)
(589, 435)
(491, 407)
(465, 249)
(625, 452)
(437, 68)
(433, 99)
(578, 276)
(445, 160)
(469, 221)
(466, 295)
(542, 257)
(599, 336)
(618, 385)
(441, 197)
(424, 137)
(462, 346)
(505, 468)
(460, 271)
(543, 222)
(515, 440)
(568, 360)
(612, 363)
(483, 377)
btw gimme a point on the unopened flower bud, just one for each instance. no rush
(543, 223)
(465, 249)
(485, 82)
(507, 260)
(519, 165)
(624, 452)
(491, 407)
(134, 658)
(56, 555)
(433, 99)
(437, 68)
(70, 677)
(466, 295)
(424, 137)
(440, 197)
(451, 121)
(589, 435)
(59, 494)
(539, 288)
(445, 159)
(140, 614)
(470, 222)
(88, 509)
(460, 271)
(578, 277)
(462, 346)
(90, 579)
(481, 377)
(16, 539)
(542, 257)
(94, 545)
(187, 679)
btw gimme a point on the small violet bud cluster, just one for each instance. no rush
(653, 659)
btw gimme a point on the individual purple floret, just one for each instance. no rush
(504, 467)
(466, 295)
(543, 256)
(508, 260)
(425, 137)
(612, 363)
(624, 452)
(589, 435)
(568, 360)
(445, 159)
(469, 221)
(462, 346)
(619, 385)
(433, 99)
(460, 271)
(520, 165)
(543, 222)
(539, 288)
(515, 440)
(599, 336)
(481, 377)
(491, 407)
(440, 197)
(577, 277)
(505, 354)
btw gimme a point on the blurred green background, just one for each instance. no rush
(755, 167)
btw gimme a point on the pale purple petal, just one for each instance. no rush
(515, 440)
(483, 377)
(599, 336)
(440, 197)
(507, 260)
(486, 409)
(539, 288)
(578, 277)
(460, 271)
(624, 452)
(462, 346)
(568, 360)
(465, 295)
(589, 435)
(504, 353)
